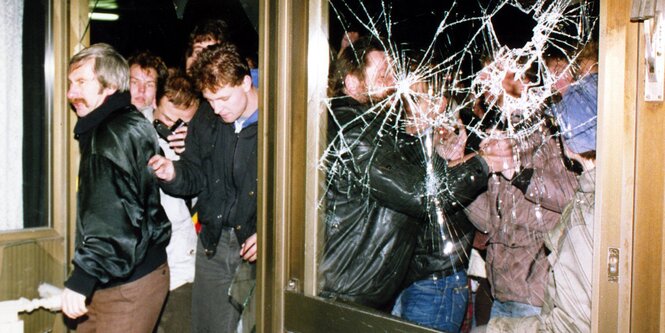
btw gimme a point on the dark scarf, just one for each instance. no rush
(85, 125)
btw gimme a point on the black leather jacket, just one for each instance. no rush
(442, 250)
(376, 202)
(121, 228)
(220, 167)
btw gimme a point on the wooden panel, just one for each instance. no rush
(23, 266)
(79, 38)
(649, 189)
(616, 158)
(296, 141)
(282, 153)
(62, 124)
(662, 273)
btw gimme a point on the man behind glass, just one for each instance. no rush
(376, 196)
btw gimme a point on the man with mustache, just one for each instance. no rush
(121, 229)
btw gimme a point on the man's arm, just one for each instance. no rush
(478, 212)
(551, 185)
(112, 225)
(73, 303)
(463, 183)
(400, 183)
(184, 177)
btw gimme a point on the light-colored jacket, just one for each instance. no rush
(568, 297)
(517, 221)
(181, 251)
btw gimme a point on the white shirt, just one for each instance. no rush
(181, 251)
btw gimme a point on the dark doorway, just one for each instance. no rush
(162, 26)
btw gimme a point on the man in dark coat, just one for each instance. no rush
(219, 166)
(379, 193)
(121, 229)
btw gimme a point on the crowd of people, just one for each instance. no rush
(513, 197)
(166, 214)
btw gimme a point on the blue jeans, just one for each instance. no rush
(439, 304)
(513, 309)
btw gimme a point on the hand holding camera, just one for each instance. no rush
(174, 135)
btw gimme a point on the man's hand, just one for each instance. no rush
(248, 249)
(73, 304)
(177, 140)
(498, 153)
(450, 143)
(421, 108)
(347, 39)
(163, 168)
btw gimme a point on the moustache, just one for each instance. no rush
(77, 101)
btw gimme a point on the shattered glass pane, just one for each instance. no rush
(466, 77)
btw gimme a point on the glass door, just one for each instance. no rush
(361, 227)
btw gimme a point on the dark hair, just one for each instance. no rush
(178, 88)
(147, 60)
(352, 61)
(554, 53)
(210, 30)
(219, 65)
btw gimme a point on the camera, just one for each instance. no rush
(164, 131)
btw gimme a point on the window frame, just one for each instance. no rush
(59, 123)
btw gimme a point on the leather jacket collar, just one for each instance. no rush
(90, 121)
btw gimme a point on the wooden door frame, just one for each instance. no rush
(615, 163)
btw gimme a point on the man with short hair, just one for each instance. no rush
(377, 197)
(220, 167)
(523, 201)
(145, 71)
(212, 32)
(208, 33)
(121, 229)
(177, 101)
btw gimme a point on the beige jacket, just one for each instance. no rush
(567, 305)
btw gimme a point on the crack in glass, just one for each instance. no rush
(499, 62)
